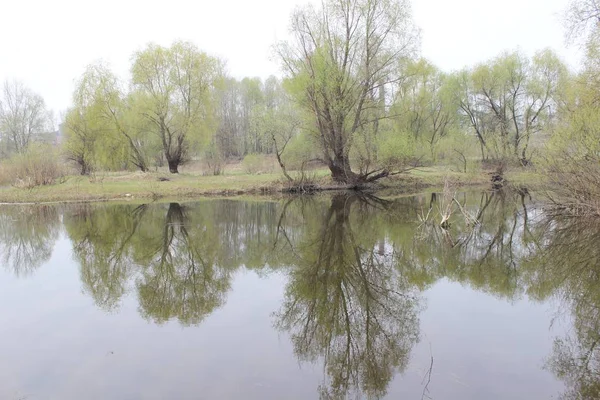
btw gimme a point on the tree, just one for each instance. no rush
(582, 19)
(102, 127)
(277, 121)
(339, 62)
(173, 89)
(23, 116)
(509, 99)
(251, 98)
(79, 146)
(227, 139)
(423, 104)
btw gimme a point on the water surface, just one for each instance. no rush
(321, 297)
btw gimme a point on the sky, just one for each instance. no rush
(48, 44)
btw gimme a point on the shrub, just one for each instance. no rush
(396, 149)
(213, 160)
(38, 165)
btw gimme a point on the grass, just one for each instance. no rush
(146, 186)
(188, 185)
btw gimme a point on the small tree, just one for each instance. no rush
(277, 120)
(23, 116)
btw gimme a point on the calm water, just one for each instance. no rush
(305, 298)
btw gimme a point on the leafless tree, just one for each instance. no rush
(23, 116)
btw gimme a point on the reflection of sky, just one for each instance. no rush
(55, 344)
(483, 347)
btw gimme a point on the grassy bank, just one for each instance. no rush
(152, 186)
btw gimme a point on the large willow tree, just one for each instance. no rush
(339, 60)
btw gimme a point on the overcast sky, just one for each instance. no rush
(47, 44)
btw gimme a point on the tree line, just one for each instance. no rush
(355, 95)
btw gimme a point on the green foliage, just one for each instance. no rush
(572, 162)
(396, 149)
(169, 110)
(509, 100)
(172, 89)
(101, 129)
(424, 107)
(578, 132)
(339, 63)
(300, 150)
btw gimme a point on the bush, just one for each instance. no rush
(213, 160)
(39, 165)
(396, 149)
(257, 163)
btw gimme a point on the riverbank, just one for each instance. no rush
(154, 186)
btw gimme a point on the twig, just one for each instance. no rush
(428, 377)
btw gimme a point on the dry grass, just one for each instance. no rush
(38, 166)
(192, 183)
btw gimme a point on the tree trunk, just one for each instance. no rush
(341, 171)
(173, 166)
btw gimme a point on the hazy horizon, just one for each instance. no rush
(49, 49)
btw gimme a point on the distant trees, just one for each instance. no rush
(423, 106)
(355, 96)
(582, 19)
(167, 113)
(24, 117)
(179, 105)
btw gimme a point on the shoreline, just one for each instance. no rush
(149, 186)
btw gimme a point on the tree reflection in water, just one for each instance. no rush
(182, 277)
(569, 269)
(355, 264)
(346, 302)
(178, 258)
(27, 237)
(103, 241)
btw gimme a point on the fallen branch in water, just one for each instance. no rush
(428, 377)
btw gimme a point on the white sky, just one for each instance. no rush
(47, 44)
